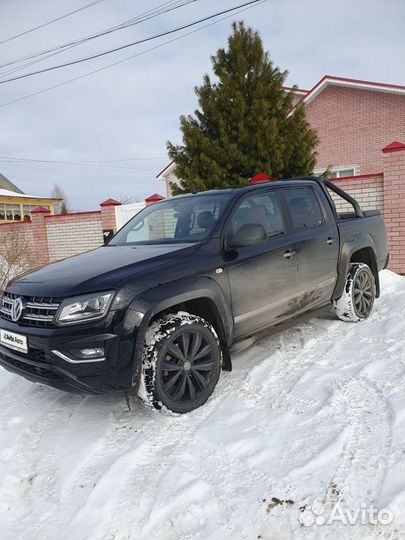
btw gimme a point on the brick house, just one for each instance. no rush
(356, 123)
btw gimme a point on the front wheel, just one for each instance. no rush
(357, 300)
(182, 362)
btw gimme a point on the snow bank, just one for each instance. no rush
(309, 419)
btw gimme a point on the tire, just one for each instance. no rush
(189, 347)
(357, 300)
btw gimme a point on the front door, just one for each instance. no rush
(263, 276)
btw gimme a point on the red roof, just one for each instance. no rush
(40, 210)
(110, 202)
(395, 146)
(261, 177)
(154, 198)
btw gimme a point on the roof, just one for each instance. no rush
(164, 172)
(330, 80)
(20, 195)
(5, 183)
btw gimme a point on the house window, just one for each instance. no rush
(341, 173)
(338, 172)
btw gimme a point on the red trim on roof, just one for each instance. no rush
(359, 81)
(165, 169)
(332, 78)
(395, 146)
(110, 202)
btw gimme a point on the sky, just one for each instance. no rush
(121, 117)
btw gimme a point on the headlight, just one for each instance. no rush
(87, 307)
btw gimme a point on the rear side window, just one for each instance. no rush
(304, 208)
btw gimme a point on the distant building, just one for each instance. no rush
(354, 121)
(17, 206)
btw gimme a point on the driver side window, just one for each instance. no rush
(260, 213)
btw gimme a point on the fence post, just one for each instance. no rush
(394, 203)
(153, 199)
(108, 220)
(39, 235)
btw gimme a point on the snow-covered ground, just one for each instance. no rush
(313, 415)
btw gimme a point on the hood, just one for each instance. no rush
(101, 269)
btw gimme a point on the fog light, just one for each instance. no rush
(94, 352)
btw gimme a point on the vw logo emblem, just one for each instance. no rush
(17, 309)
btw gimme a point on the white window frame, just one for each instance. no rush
(337, 170)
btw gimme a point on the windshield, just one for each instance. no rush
(175, 221)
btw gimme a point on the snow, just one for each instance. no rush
(312, 416)
(9, 193)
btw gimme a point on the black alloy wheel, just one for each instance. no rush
(182, 362)
(363, 294)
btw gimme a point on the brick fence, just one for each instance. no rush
(55, 237)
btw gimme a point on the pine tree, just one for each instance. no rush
(245, 123)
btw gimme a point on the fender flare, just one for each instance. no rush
(148, 304)
(357, 242)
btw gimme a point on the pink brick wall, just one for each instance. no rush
(394, 206)
(354, 125)
(25, 228)
(367, 190)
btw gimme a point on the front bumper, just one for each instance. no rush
(40, 364)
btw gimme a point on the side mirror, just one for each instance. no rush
(248, 234)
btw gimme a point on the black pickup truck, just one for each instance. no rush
(158, 308)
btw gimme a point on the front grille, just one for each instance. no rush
(28, 368)
(38, 310)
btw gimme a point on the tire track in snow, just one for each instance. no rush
(39, 454)
(362, 464)
(290, 359)
(161, 448)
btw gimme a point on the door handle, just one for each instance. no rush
(289, 254)
(330, 241)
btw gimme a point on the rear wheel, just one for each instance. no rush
(181, 363)
(357, 300)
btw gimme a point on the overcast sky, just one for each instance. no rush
(132, 109)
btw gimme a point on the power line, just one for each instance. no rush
(71, 163)
(165, 7)
(131, 44)
(86, 6)
(78, 161)
(98, 70)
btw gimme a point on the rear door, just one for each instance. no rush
(317, 241)
(263, 277)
